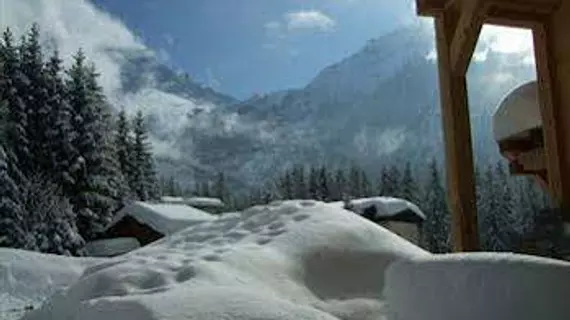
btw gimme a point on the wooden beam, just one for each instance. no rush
(530, 6)
(549, 111)
(458, 144)
(430, 7)
(466, 34)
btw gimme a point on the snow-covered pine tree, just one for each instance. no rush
(365, 186)
(511, 227)
(51, 225)
(285, 187)
(436, 230)
(340, 184)
(491, 211)
(124, 147)
(144, 174)
(59, 149)
(13, 231)
(99, 185)
(324, 193)
(313, 183)
(34, 93)
(299, 183)
(16, 118)
(221, 190)
(409, 186)
(355, 181)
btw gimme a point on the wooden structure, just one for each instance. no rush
(458, 24)
(129, 227)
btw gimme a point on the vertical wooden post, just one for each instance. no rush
(552, 45)
(458, 144)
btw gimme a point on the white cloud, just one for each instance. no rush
(501, 40)
(309, 20)
(168, 39)
(73, 25)
(212, 80)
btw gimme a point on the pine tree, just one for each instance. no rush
(59, 148)
(409, 187)
(144, 174)
(99, 185)
(13, 233)
(299, 183)
(436, 230)
(286, 187)
(365, 187)
(34, 93)
(323, 184)
(51, 226)
(220, 188)
(16, 118)
(339, 192)
(355, 182)
(124, 147)
(313, 183)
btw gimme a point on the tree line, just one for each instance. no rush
(66, 163)
(508, 207)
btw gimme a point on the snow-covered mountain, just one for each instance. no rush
(378, 105)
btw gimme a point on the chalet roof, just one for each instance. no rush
(385, 209)
(194, 201)
(517, 113)
(162, 217)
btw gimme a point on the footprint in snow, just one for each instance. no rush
(185, 274)
(212, 257)
(308, 203)
(300, 217)
(276, 225)
(263, 241)
(274, 233)
(237, 235)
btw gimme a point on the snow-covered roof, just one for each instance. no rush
(166, 218)
(194, 201)
(205, 202)
(386, 207)
(518, 112)
(169, 199)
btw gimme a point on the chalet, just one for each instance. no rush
(211, 205)
(397, 215)
(145, 223)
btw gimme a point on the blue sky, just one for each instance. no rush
(243, 47)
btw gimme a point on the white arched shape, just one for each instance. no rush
(517, 113)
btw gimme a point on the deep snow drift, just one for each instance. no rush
(27, 278)
(307, 260)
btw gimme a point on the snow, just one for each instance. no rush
(205, 202)
(518, 112)
(290, 260)
(385, 206)
(111, 247)
(194, 201)
(307, 260)
(27, 278)
(479, 286)
(164, 218)
(169, 199)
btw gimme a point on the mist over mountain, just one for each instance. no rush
(374, 107)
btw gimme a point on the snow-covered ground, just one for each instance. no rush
(295, 260)
(27, 278)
